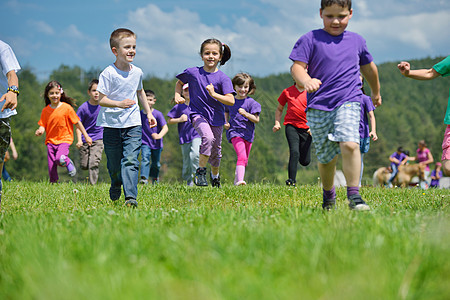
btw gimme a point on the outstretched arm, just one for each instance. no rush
(370, 73)
(421, 74)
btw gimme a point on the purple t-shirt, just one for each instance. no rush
(240, 126)
(186, 131)
(435, 182)
(366, 107)
(88, 116)
(335, 61)
(147, 131)
(200, 101)
(400, 157)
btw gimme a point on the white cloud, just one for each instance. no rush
(42, 27)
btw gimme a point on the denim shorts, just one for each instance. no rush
(328, 128)
(5, 137)
(364, 145)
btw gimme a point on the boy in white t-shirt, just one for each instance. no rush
(120, 85)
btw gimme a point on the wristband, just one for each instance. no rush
(14, 89)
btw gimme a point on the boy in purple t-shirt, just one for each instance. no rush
(327, 62)
(90, 156)
(152, 142)
(189, 138)
(397, 159)
(365, 133)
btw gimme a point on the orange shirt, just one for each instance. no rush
(58, 123)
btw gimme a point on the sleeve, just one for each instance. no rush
(9, 61)
(103, 83)
(227, 86)
(73, 117)
(364, 56)
(302, 49)
(173, 113)
(43, 120)
(184, 76)
(255, 108)
(443, 67)
(160, 119)
(282, 99)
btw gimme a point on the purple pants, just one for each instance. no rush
(211, 139)
(54, 152)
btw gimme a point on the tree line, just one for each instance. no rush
(411, 111)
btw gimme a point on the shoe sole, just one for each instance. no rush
(131, 203)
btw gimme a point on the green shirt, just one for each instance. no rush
(443, 68)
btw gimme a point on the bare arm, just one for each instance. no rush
(11, 97)
(40, 131)
(227, 123)
(251, 117)
(106, 102)
(373, 126)
(161, 134)
(79, 140)
(370, 73)
(81, 128)
(178, 93)
(421, 74)
(302, 78)
(14, 153)
(183, 118)
(278, 114)
(143, 101)
(227, 99)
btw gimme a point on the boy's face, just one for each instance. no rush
(93, 93)
(151, 100)
(335, 19)
(126, 50)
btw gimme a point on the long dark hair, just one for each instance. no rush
(64, 97)
(225, 51)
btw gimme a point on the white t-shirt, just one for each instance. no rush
(8, 62)
(118, 85)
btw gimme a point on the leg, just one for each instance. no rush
(294, 154)
(207, 140)
(145, 162)
(156, 164)
(216, 149)
(304, 147)
(242, 159)
(5, 139)
(62, 157)
(95, 156)
(84, 156)
(351, 162)
(114, 153)
(186, 171)
(131, 138)
(52, 163)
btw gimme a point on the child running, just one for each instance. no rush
(327, 62)
(189, 138)
(152, 142)
(90, 155)
(120, 85)
(242, 116)
(367, 116)
(57, 120)
(297, 132)
(209, 90)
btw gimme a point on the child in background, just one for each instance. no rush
(120, 85)
(398, 158)
(189, 138)
(367, 115)
(297, 132)
(152, 142)
(14, 154)
(442, 68)
(243, 116)
(424, 157)
(90, 155)
(57, 120)
(209, 90)
(327, 62)
(436, 175)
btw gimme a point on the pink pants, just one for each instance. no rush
(54, 152)
(242, 148)
(211, 139)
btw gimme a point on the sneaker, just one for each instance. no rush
(290, 182)
(131, 203)
(114, 193)
(71, 168)
(62, 160)
(200, 177)
(215, 182)
(155, 181)
(143, 180)
(355, 202)
(241, 183)
(329, 204)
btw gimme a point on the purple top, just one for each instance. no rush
(88, 116)
(200, 101)
(435, 182)
(240, 126)
(147, 131)
(335, 61)
(186, 131)
(400, 157)
(366, 107)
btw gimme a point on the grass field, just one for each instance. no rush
(69, 241)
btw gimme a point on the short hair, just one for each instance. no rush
(400, 149)
(224, 49)
(93, 81)
(119, 34)
(150, 93)
(241, 78)
(341, 3)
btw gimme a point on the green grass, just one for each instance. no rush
(69, 241)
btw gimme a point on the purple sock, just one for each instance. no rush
(352, 190)
(331, 194)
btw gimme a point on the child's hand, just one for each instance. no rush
(79, 144)
(152, 121)
(313, 85)
(183, 118)
(376, 100)
(404, 67)
(373, 135)
(210, 89)
(242, 111)
(39, 131)
(180, 100)
(127, 103)
(226, 126)
(276, 127)
(155, 136)
(88, 140)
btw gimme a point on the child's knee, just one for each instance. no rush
(349, 146)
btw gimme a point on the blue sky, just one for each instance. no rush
(261, 33)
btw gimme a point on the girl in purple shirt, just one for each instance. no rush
(209, 90)
(242, 116)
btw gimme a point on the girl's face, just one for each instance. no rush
(54, 94)
(211, 57)
(93, 93)
(242, 90)
(335, 19)
(186, 93)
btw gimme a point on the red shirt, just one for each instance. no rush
(296, 101)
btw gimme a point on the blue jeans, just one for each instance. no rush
(190, 152)
(394, 172)
(122, 147)
(147, 154)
